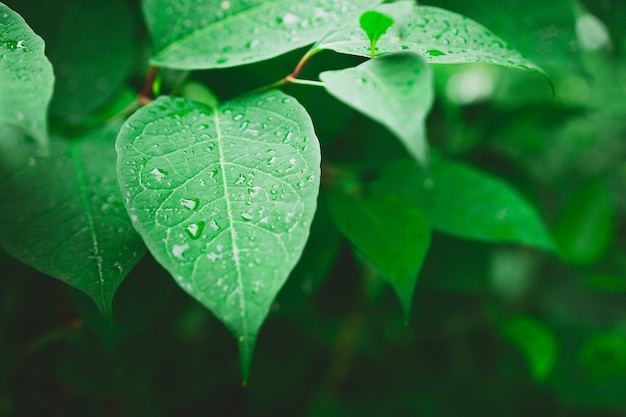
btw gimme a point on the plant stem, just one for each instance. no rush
(145, 96)
(302, 63)
(288, 79)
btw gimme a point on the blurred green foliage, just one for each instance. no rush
(495, 329)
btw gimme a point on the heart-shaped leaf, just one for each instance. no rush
(395, 90)
(63, 215)
(439, 36)
(224, 198)
(217, 34)
(26, 78)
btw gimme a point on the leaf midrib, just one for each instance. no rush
(233, 233)
(82, 190)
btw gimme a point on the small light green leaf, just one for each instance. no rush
(395, 90)
(26, 78)
(464, 202)
(439, 36)
(584, 229)
(63, 215)
(375, 24)
(536, 342)
(393, 234)
(224, 198)
(217, 34)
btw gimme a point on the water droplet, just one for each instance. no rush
(190, 203)
(159, 174)
(435, 52)
(194, 230)
(271, 161)
(178, 250)
(252, 44)
(238, 117)
(288, 137)
(240, 180)
(213, 224)
(246, 216)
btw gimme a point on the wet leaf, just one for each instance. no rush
(218, 34)
(26, 78)
(395, 90)
(437, 35)
(224, 198)
(63, 215)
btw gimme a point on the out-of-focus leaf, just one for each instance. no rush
(536, 342)
(584, 228)
(63, 215)
(464, 202)
(392, 233)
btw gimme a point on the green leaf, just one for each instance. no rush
(464, 202)
(536, 341)
(544, 32)
(26, 78)
(439, 36)
(63, 215)
(218, 34)
(395, 90)
(375, 24)
(91, 60)
(583, 230)
(224, 198)
(393, 234)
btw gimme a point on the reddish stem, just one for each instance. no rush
(145, 96)
(294, 74)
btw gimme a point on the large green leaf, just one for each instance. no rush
(217, 34)
(63, 215)
(393, 234)
(464, 202)
(26, 78)
(439, 36)
(395, 90)
(224, 198)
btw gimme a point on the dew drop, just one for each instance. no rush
(238, 117)
(190, 203)
(178, 250)
(194, 230)
(246, 216)
(159, 174)
(240, 180)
